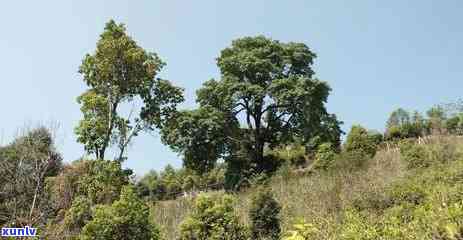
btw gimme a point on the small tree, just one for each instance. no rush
(78, 215)
(324, 157)
(121, 72)
(264, 215)
(436, 118)
(361, 140)
(127, 218)
(24, 166)
(103, 182)
(212, 218)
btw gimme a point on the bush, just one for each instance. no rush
(78, 215)
(103, 182)
(324, 157)
(301, 231)
(293, 155)
(351, 160)
(355, 227)
(406, 130)
(360, 140)
(264, 215)
(415, 155)
(126, 218)
(213, 218)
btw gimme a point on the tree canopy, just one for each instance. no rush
(121, 72)
(267, 96)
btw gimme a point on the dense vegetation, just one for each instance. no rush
(263, 157)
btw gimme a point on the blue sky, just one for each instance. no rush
(376, 55)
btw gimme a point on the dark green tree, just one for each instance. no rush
(267, 96)
(121, 73)
(199, 135)
(264, 215)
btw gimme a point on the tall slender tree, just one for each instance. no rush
(121, 73)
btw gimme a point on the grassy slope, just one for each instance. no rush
(373, 194)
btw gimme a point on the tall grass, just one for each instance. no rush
(319, 197)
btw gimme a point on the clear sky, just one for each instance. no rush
(376, 55)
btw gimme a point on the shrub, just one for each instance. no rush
(301, 231)
(264, 215)
(350, 160)
(78, 215)
(126, 218)
(406, 130)
(360, 140)
(415, 155)
(103, 182)
(443, 152)
(213, 218)
(355, 227)
(324, 157)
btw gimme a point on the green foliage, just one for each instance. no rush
(293, 154)
(454, 125)
(361, 140)
(199, 135)
(400, 125)
(171, 183)
(126, 218)
(25, 164)
(214, 219)
(78, 215)
(264, 216)
(350, 161)
(324, 157)
(103, 181)
(270, 83)
(425, 205)
(424, 156)
(356, 228)
(301, 231)
(120, 72)
(415, 155)
(436, 118)
(398, 118)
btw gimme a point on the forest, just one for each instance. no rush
(263, 157)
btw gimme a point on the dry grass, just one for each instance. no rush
(318, 197)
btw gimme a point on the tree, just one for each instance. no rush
(121, 73)
(212, 218)
(103, 181)
(268, 88)
(454, 125)
(397, 118)
(24, 166)
(360, 140)
(199, 135)
(400, 125)
(324, 157)
(436, 117)
(126, 218)
(264, 216)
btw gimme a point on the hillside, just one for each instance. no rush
(387, 198)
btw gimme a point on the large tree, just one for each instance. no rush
(121, 73)
(266, 96)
